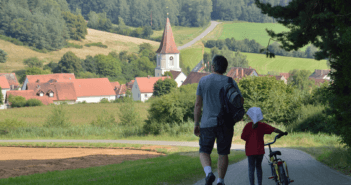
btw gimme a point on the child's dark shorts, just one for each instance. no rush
(224, 140)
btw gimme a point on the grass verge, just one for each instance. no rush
(180, 166)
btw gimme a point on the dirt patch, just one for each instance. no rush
(17, 161)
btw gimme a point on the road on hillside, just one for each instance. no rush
(202, 35)
(303, 168)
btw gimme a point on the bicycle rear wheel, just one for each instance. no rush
(282, 176)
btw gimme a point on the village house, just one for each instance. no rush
(237, 73)
(5, 87)
(320, 74)
(93, 90)
(143, 87)
(179, 77)
(59, 77)
(29, 94)
(12, 80)
(194, 77)
(278, 77)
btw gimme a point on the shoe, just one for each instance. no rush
(220, 184)
(210, 178)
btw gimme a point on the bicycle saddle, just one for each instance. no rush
(275, 153)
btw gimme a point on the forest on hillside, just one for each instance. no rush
(190, 13)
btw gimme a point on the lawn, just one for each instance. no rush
(115, 42)
(191, 56)
(182, 35)
(281, 64)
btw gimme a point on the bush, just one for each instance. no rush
(72, 45)
(104, 120)
(3, 56)
(10, 124)
(104, 100)
(128, 115)
(17, 101)
(99, 44)
(33, 103)
(58, 117)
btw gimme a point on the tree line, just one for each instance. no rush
(251, 46)
(122, 67)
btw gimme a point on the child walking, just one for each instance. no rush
(253, 133)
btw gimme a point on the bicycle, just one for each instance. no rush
(276, 165)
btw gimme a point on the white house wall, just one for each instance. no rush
(143, 98)
(25, 84)
(136, 91)
(180, 79)
(95, 99)
(3, 106)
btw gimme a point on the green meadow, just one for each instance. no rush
(281, 64)
(256, 31)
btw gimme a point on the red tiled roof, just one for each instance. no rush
(194, 77)
(11, 78)
(319, 73)
(30, 94)
(115, 85)
(175, 73)
(4, 84)
(60, 77)
(239, 72)
(167, 44)
(93, 87)
(62, 90)
(286, 75)
(146, 84)
(122, 89)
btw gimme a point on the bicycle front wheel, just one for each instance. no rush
(282, 176)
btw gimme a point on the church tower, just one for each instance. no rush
(167, 54)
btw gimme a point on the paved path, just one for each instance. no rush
(303, 168)
(202, 35)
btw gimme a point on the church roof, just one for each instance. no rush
(167, 44)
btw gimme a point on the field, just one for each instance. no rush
(191, 56)
(281, 64)
(115, 42)
(241, 30)
(182, 35)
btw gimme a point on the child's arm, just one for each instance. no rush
(278, 131)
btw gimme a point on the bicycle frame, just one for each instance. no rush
(275, 163)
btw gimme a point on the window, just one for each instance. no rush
(145, 95)
(51, 94)
(41, 94)
(138, 95)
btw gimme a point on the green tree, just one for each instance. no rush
(168, 73)
(33, 62)
(163, 87)
(328, 28)
(107, 65)
(69, 63)
(300, 80)
(76, 25)
(17, 101)
(3, 56)
(128, 114)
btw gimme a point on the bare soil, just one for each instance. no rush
(17, 161)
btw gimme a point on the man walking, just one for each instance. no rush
(208, 96)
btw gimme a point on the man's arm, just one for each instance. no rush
(197, 110)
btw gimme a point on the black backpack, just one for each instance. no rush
(232, 110)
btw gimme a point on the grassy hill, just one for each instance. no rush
(281, 64)
(115, 42)
(241, 30)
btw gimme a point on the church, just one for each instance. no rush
(167, 60)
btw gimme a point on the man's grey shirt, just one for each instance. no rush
(208, 88)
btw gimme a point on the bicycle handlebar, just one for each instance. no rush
(275, 138)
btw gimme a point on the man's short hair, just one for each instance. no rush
(220, 64)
